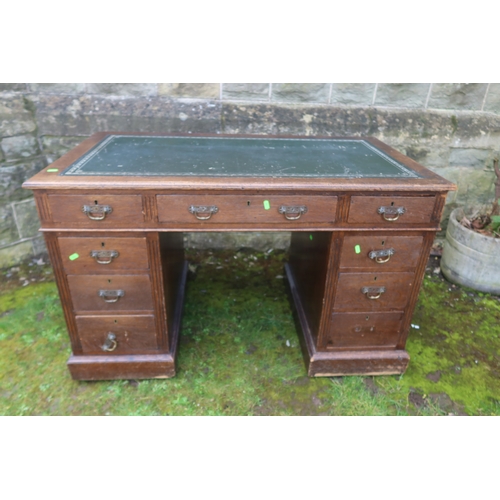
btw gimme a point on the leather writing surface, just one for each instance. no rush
(130, 155)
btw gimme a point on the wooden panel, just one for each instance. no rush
(309, 262)
(419, 276)
(171, 258)
(367, 362)
(126, 209)
(239, 208)
(356, 251)
(350, 297)
(138, 366)
(64, 290)
(364, 209)
(42, 206)
(363, 330)
(133, 334)
(132, 254)
(85, 292)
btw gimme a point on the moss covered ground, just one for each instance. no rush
(239, 352)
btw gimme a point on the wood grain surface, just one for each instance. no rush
(132, 254)
(343, 331)
(85, 292)
(134, 334)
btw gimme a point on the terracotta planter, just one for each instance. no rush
(469, 258)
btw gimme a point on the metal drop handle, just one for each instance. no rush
(292, 212)
(391, 213)
(96, 212)
(373, 292)
(111, 296)
(381, 256)
(110, 344)
(203, 212)
(104, 256)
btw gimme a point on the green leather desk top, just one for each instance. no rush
(135, 155)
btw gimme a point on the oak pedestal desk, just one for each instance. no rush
(113, 211)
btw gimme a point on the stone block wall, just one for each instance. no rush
(451, 128)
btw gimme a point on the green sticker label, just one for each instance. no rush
(267, 205)
(311, 237)
(52, 170)
(73, 256)
(357, 249)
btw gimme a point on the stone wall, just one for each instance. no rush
(452, 128)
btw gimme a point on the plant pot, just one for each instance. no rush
(469, 258)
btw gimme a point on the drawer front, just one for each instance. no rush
(97, 210)
(387, 210)
(226, 209)
(100, 255)
(111, 292)
(380, 252)
(373, 291)
(363, 330)
(117, 334)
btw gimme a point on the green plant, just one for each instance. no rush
(488, 223)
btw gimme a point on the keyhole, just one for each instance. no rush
(375, 279)
(392, 203)
(95, 202)
(102, 244)
(109, 281)
(248, 203)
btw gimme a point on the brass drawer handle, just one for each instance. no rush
(381, 256)
(96, 212)
(203, 212)
(292, 213)
(373, 292)
(111, 296)
(110, 344)
(391, 213)
(104, 256)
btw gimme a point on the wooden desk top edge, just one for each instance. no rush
(46, 180)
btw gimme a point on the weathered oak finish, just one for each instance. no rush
(309, 257)
(138, 366)
(357, 258)
(100, 292)
(367, 210)
(132, 334)
(350, 294)
(103, 255)
(238, 209)
(126, 210)
(403, 252)
(364, 330)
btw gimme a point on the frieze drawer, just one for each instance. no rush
(212, 209)
(96, 210)
(391, 210)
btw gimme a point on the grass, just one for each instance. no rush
(239, 352)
